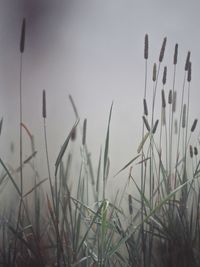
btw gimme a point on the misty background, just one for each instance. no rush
(93, 50)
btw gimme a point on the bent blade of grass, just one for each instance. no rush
(106, 150)
(64, 147)
(10, 176)
(129, 163)
(97, 213)
(142, 142)
(35, 187)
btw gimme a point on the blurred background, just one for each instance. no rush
(92, 50)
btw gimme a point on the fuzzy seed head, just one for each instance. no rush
(164, 75)
(154, 72)
(146, 46)
(163, 116)
(1, 125)
(175, 54)
(195, 151)
(174, 101)
(44, 112)
(145, 107)
(176, 126)
(170, 97)
(23, 35)
(191, 151)
(130, 204)
(189, 74)
(163, 99)
(155, 127)
(162, 51)
(184, 116)
(73, 135)
(146, 123)
(84, 132)
(187, 61)
(194, 125)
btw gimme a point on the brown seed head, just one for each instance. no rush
(73, 135)
(44, 113)
(162, 51)
(189, 74)
(184, 116)
(154, 72)
(174, 101)
(163, 99)
(84, 132)
(175, 126)
(23, 35)
(187, 61)
(175, 54)
(195, 151)
(163, 116)
(194, 125)
(170, 97)
(145, 107)
(191, 151)
(146, 123)
(146, 46)
(155, 127)
(164, 75)
(1, 125)
(130, 204)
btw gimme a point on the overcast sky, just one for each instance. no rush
(93, 50)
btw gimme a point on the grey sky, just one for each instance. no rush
(93, 50)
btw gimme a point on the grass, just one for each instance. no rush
(78, 225)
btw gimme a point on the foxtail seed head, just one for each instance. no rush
(162, 51)
(174, 101)
(155, 127)
(146, 123)
(195, 151)
(145, 107)
(184, 116)
(163, 116)
(163, 99)
(130, 204)
(194, 125)
(154, 72)
(175, 54)
(189, 74)
(164, 75)
(23, 35)
(191, 151)
(187, 61)
(170, 97)
(146, 46)
(44, 112)
(84, 132)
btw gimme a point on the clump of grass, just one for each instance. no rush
(78, 225)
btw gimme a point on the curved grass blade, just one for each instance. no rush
(129, 163)
(64, 147)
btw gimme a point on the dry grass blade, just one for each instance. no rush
(35, 187)
(129, 163)
(74, 107)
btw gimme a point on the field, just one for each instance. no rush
(70, 221)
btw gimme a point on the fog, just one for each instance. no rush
(92, 50)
